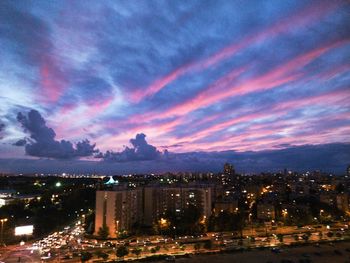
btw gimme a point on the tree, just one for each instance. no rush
(122, 251)
(101, 254)
(136, 251)
(85, 256)
(340, 188)
(226, 221)
(103, 232)
(280, 237)
(186, 222)
(197, 246)
(306, 237)
(208, 244)
(320, 235)
(330, 234)
(155, 249)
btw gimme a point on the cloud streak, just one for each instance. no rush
(193, 76)
(300, 19)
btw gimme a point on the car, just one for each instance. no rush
(68, 257)
(170, 258)
(276, 250)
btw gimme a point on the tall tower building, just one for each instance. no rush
(159, 200)
(118, 209)
(229, 169)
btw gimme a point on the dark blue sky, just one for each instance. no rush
(79, 79)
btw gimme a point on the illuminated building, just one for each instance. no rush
(229, 169)
(343, 202)
(266, 211)
(227, 206)
(118, 209)
(159, 200)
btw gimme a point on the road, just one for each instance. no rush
(17, 253)
(63, 245)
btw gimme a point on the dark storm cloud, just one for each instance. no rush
(2, 127)
(43, 143)
(20, 142)
(327, 158)
(141, 151)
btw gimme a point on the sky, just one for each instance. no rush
(142, 86)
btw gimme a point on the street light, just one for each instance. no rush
(284, 213)
(118, 228)
(3, 220)
(163, 222)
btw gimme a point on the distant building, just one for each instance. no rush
(265, 211)
(348, 170)
(227, 206)
(10, 196)
(4, 193)
(328, 198)
(6, 201)
(343, 202)
(229, 169)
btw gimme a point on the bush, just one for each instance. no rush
(122, 251)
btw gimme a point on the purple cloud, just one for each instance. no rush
(43, 143)
(20, 142)
(141, 151)
(2, 127)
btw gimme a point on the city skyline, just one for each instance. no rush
(156, 86)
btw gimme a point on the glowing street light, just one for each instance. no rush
(284, 213)
(163, 221)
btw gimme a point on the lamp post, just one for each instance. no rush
(3, 220)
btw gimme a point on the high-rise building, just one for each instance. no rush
(265, 211)
(118, 209)
(348, 171)
(121, 208)
(229, 169)
(158, 200)
(343, 202)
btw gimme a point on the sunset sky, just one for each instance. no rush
(79, 79)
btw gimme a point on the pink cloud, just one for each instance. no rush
(300, 19)
(52, 80)
(339, 98)
(220, 90)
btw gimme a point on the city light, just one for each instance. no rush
(174, 131)
(24, 230)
